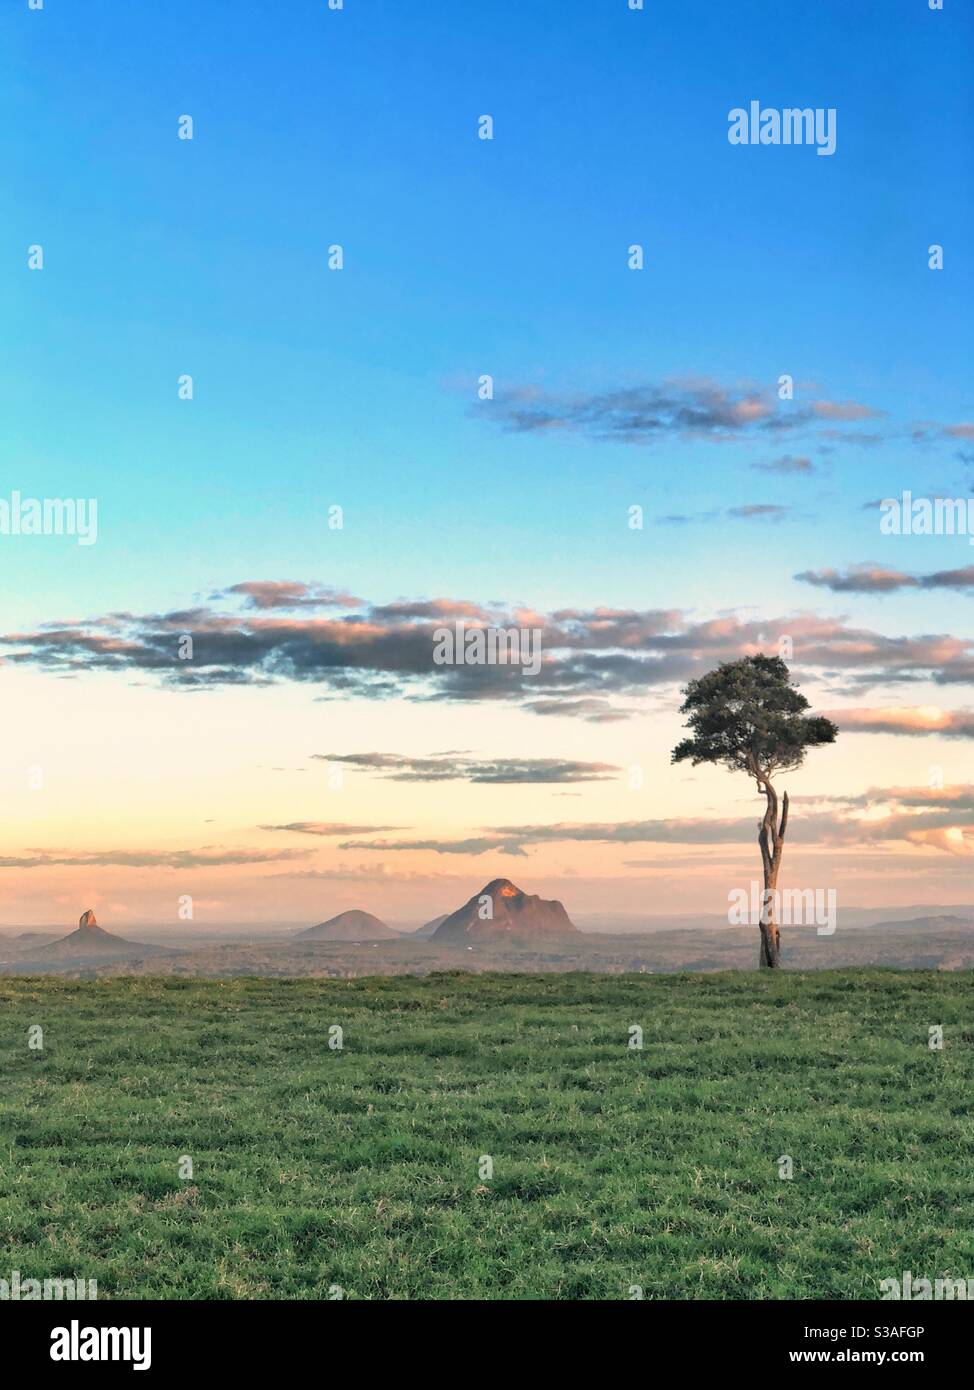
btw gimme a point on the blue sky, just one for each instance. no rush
(464, 257)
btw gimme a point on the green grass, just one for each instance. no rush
(612, 1167)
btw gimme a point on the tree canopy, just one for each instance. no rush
(749, 716)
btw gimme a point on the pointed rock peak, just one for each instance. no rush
(87, 919)
(503, 888)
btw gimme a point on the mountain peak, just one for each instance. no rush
(89, 939)
(501, 909)
(503, 888)
(353, 925)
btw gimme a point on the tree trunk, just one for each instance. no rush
(770, 957)
(771, 837)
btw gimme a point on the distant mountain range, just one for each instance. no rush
(929, 924)
(499, 910)
(499, 928)
(622, 923)
(613, 923)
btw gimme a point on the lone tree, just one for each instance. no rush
(748, 716)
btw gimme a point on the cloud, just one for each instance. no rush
(591, 659)
(934, 827)
(279, 593)
(786, 464)
(479, 844)
(864, 578)
(144, 859)
(748, 511)
(952, 795)
(871, 578)
(861, 438)
(906, 719)
(453, 767)
(513, 838)
(684, 519)
(700, 408)
(325, 828)
(956, 839)
(959, 579)
(759, 511)
(843, 410)
(442, 609)
(593, 710)
(923, 430)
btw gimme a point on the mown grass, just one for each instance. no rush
(612, 1167)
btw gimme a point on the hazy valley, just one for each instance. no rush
(525, 935)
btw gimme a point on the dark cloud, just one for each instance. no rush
(949, 579)
(590, 658)
(871, 578)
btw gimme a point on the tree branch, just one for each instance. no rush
(779, 837)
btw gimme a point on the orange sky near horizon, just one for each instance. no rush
(132, 771)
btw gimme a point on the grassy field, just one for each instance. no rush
(612, 1167)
